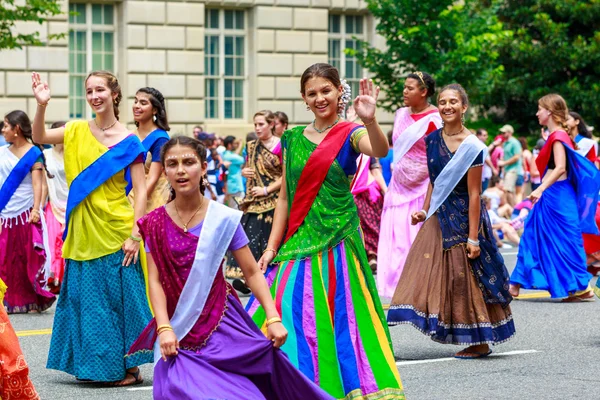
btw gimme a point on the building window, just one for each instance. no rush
(91, 47)
(343, 29)
(224, 64)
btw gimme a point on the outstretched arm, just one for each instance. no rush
(375, 144)
(40, 134)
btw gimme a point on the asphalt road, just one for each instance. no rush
(555, 355)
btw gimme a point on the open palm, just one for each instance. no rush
(41, 91)
(365, 104)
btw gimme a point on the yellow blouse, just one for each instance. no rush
(100, 224)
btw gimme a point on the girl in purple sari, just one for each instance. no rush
(205, 344)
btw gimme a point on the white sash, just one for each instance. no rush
(584, 146)
(455, 170)
(413, 133)
(58, 189)
(217, 232)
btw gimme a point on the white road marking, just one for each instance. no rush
(140, 388)
(508, 353)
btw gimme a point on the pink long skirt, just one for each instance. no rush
(57, 266)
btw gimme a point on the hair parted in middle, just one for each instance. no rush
(320, 70)
(269, 117)
(194, 144)
(113, 84)
(20, 120)
(457, 87)
(158, 103)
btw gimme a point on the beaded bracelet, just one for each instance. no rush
(273, 250)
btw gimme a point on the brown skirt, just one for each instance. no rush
(439, 295)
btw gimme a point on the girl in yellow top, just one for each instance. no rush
(102, 308)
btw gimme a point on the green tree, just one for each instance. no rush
(453, 41)
(556, 48)
(12, 11)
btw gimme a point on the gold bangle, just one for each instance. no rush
(42, 105)
(273, 250)
(370, 123)
(159, 327)
(164, 330)
(273, 320)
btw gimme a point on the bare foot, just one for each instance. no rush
(514, 290)
(133, 377)
(478, 351)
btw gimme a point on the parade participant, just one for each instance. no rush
(454, 287)
(102, 306)
(56, 191)
(263, 171)
(234, 162)
(323, 287)
(577, 129)
(368, 189)
(22, 254)
(387, 162)
(150, 118)
(14, 372)
(551, 255)
(407, 189)
(281, 123)
(201, 329)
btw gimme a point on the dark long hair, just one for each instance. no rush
(320, 70)
(19, 119)
(581, 127)
(193, 144)
(158, 102)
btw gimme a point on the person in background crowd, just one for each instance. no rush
(488, 168)
(198, 129)
(501, 224)
(55, 192)
(388, 161)
(234, 162)
(551, 254)
(102, 306)
(281, 123)
(2, 140)
(536, 176)
(496, 193)
(22, 255)
(511, 163)
(213, 161)
(220, 146)
(527, 166)
(496, 151)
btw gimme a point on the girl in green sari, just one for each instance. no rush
(321, 281)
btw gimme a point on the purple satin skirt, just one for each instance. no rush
(238, 362)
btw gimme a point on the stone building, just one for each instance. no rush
(215, 61)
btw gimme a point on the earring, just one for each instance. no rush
(307, 107)
(154, 118)
(442, 124)
(463, 118)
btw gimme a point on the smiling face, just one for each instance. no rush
(543, 115)
(451, 107)
(263, 129)
(413, 94)
(572, 123)
(142, 107)
(98, 95)
(184, 169)
(322, 97)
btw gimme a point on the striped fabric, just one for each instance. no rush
(338, 336)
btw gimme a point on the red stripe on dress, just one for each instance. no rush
(282, 284)
(332, 282)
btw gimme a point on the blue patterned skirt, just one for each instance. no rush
(101, 311)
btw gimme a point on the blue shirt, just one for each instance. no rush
(234, 177)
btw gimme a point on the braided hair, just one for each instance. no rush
(158, 102)
(194, 144)
(19, 121)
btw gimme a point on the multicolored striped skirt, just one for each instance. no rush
(338, 334)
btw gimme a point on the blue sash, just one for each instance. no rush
(18, 173)
(585, 178)
(108, 164)
(148, 144)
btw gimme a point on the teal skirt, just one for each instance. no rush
(101, 311)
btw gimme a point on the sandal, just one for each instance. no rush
(584, 297)
(137, 380)
(241, 286)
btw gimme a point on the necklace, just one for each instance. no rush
(185, 225)
(268, 144)
(454, 134)
(323, 130)
(107, 128)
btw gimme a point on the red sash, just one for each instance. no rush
(546, 152)
(314, 173)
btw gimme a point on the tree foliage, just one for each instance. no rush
(555, 49)
(12, 11)
(453, 41)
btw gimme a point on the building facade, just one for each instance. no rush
(217, 62)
